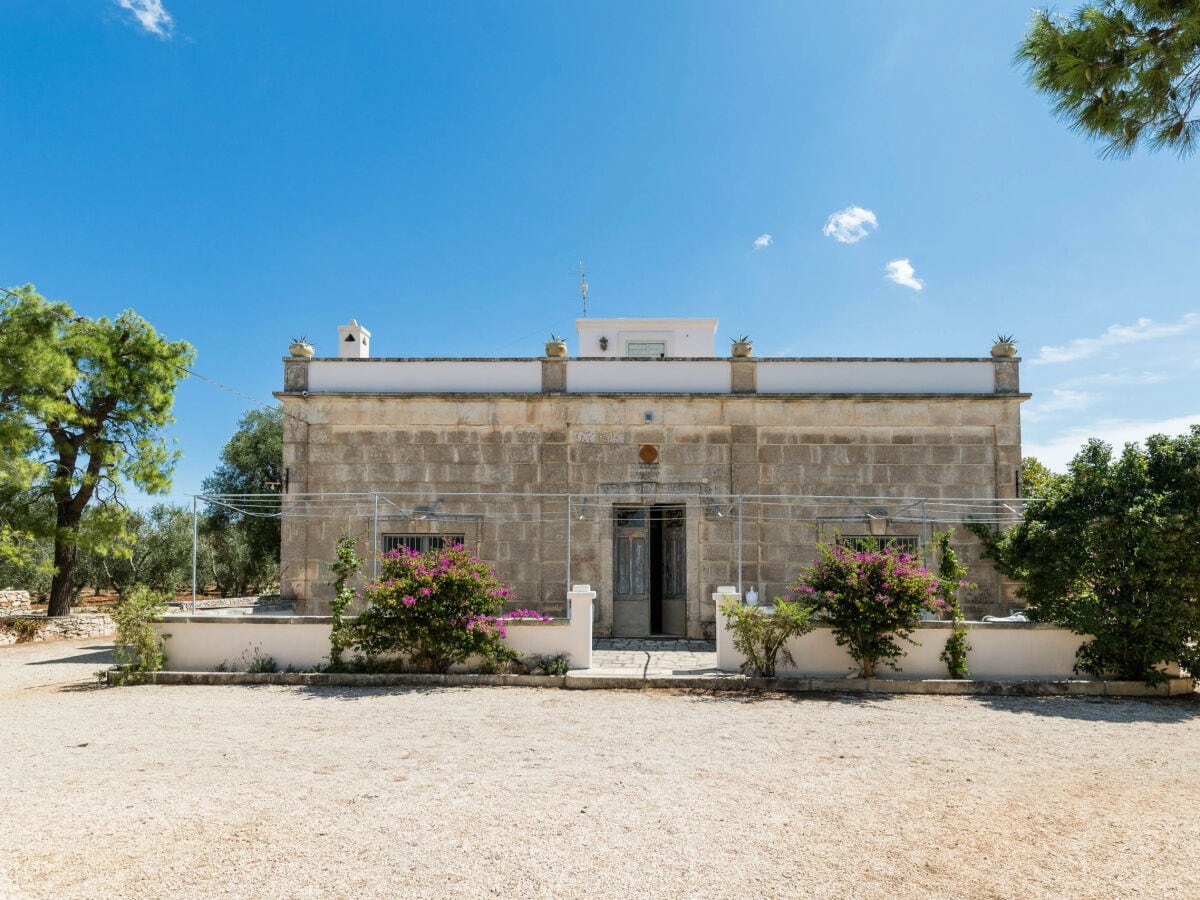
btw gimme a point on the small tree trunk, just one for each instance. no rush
(63, 585)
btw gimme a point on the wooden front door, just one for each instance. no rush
(649, 571)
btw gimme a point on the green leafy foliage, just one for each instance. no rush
(1113, 553)
(436, 609)
(951, 578)
(1123, 71)
(871, 596)
(27, 544)
(1037, 480)
(138, 649)
(761, 636)
(158, 553)
(82, 405)
(346, 566)
(246, 545)
(230, 563)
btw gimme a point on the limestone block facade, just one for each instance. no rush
(623, 470)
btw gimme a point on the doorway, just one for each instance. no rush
(649, 570)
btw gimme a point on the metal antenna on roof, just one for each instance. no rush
(583, 288)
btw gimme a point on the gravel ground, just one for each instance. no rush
(295, 792)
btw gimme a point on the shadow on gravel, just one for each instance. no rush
(795, 697)
(97, 657)
(1168, 710)
(361, 692)
(82, 687)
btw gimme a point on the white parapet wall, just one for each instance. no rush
(999, 650)
(209, 642)
(640, 376)
(875, 376)
(426, 375)
(606, 374)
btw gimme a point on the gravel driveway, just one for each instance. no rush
(297, 792)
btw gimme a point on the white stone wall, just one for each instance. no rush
(202, 643)
(999, 650)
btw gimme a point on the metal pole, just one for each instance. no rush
(924, 535)
(568, 553)
(195, 533)
(739, 505)
(375, 541)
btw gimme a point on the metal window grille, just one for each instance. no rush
(421, 543)
(903, 542)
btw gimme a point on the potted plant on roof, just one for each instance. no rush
(742, 346)
(300, 347)
(1005, 346)
(556, 346)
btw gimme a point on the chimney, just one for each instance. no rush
(353, 341)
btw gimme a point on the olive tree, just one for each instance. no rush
(82, 406)
(243, 539)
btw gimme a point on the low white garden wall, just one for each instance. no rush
(999, 650)
(204, 643)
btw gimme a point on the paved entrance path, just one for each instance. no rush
(647, 657)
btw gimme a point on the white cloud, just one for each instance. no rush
(1141, 330)
(151, 15)
(849, 226)
(1061, 448)
(1061, 400)
(901, 272)
(1116, 379)
(763, 241)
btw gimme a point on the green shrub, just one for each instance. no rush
(138, 650)
(871, 596)
(951, 577)
(345, 567)
(558, 664)
(1112, 553)
(762, 636)
(255, 662)
(436, 609)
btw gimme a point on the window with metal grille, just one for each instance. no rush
(904, 542)
(652, 349)
(421, 543)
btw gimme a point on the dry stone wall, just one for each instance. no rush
(12, 601)
(82, 625)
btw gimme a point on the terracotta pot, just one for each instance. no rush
(742, 348)
(301, 349)
(556, 349)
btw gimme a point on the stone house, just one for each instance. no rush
(646, 466)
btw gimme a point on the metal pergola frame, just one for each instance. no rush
(997, 512)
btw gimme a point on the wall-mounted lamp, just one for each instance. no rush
(430, 510)
(603, 343)
(280, 484)
(716, 509)
(583, 509)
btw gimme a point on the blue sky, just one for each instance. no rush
(240, 173)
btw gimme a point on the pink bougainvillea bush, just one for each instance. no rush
(871, 596)
(434, 610)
